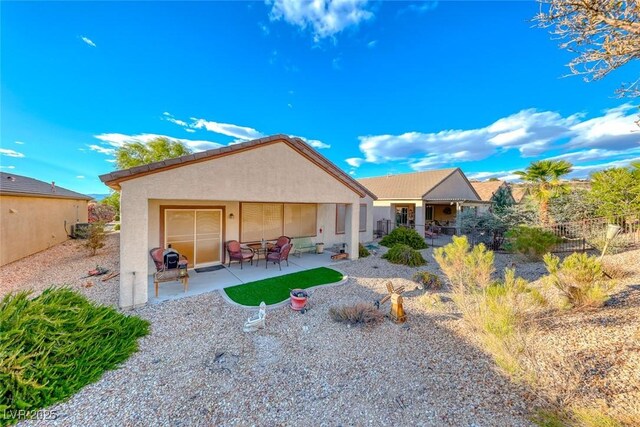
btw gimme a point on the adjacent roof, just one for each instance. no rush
(518, 193)
(12, 184)
(114, 179)
(486, 189)
(408, 185)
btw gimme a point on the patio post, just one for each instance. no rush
(352, 228)
(134, 251)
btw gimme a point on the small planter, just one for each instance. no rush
(319, 248)
(299, 299)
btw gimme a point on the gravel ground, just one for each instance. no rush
(64, 265)
(197, 367)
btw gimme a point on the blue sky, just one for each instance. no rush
(377, 87)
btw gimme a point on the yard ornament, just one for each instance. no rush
(258, 321)
(397, 313)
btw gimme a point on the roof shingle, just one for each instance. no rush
(11, 183)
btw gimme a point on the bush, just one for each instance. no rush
(404, 254)
(95, 237)
(101, 212)
(55, 344)
(579, 279)
(465, 268)
(406, 236)
(427, 279)
(530, 241)
(117, 227)
(362, 251)
(361, 313)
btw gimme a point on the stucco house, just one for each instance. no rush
(422, 198)
(254, 190)
(35, 215)
(489, 190)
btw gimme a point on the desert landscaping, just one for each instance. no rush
(197, 367)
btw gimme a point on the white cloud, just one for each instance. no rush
(119, 139)
(190, 130)
(7, 167)
(80, 176)
(19, 142)
(354, 161)
(240, 132)
(10, 153)
(503, 175)
(313, 142)
(372, 44)
(324, 18)
(530, 132)
(88, 41)
(420, 7)
(265, 29)
(102, 150)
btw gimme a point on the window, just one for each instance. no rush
(261, 221)
(341, 216)
(300, 220)
(363, 217)
(271, 220)
(428, 213)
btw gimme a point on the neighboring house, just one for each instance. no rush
(35, 215)
(519, 192)
(489, 191)
(422, 198)
(254, 190)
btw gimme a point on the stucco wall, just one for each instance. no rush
(269, 173)
(33, 224)
(454, 187)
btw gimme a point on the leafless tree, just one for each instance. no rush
(605, 35)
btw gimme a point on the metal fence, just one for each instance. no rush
(591, 234)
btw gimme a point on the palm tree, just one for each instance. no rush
(543, 177)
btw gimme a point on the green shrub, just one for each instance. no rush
(530, 241)
(55, 344)
(465, 268)
(362, 251)
(117, 227)
(406, 236)
(360, 313)
(579, 279)
(427, 279)
(95, 237)
(404, 254)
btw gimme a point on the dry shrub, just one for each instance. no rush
(427, 279)
(579, 278)
(615, 270)
(357, 314)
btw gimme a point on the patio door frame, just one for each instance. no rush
(163, 208)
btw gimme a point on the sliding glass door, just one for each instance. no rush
(195, 233)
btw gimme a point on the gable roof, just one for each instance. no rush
(487, 189)
(12, 184)
(409, 185)
(114, 179)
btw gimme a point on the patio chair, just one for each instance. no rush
(239, 253)
(170, 266)
(278, 257)
(282, 240)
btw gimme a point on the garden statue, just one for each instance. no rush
(258, 321)
(397, 310)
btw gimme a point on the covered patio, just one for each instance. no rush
(225, 277)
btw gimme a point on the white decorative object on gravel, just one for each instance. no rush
(258, 321)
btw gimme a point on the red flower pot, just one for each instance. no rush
(298, 299)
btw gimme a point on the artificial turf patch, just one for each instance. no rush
(276, 289)
(53, 345)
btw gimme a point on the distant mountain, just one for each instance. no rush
(98, 197)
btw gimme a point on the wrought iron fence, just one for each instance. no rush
(591, 234)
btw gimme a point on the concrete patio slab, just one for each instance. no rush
(231, 276)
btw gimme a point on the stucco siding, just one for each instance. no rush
(453, 187)
(269, 173)
(33, 224)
